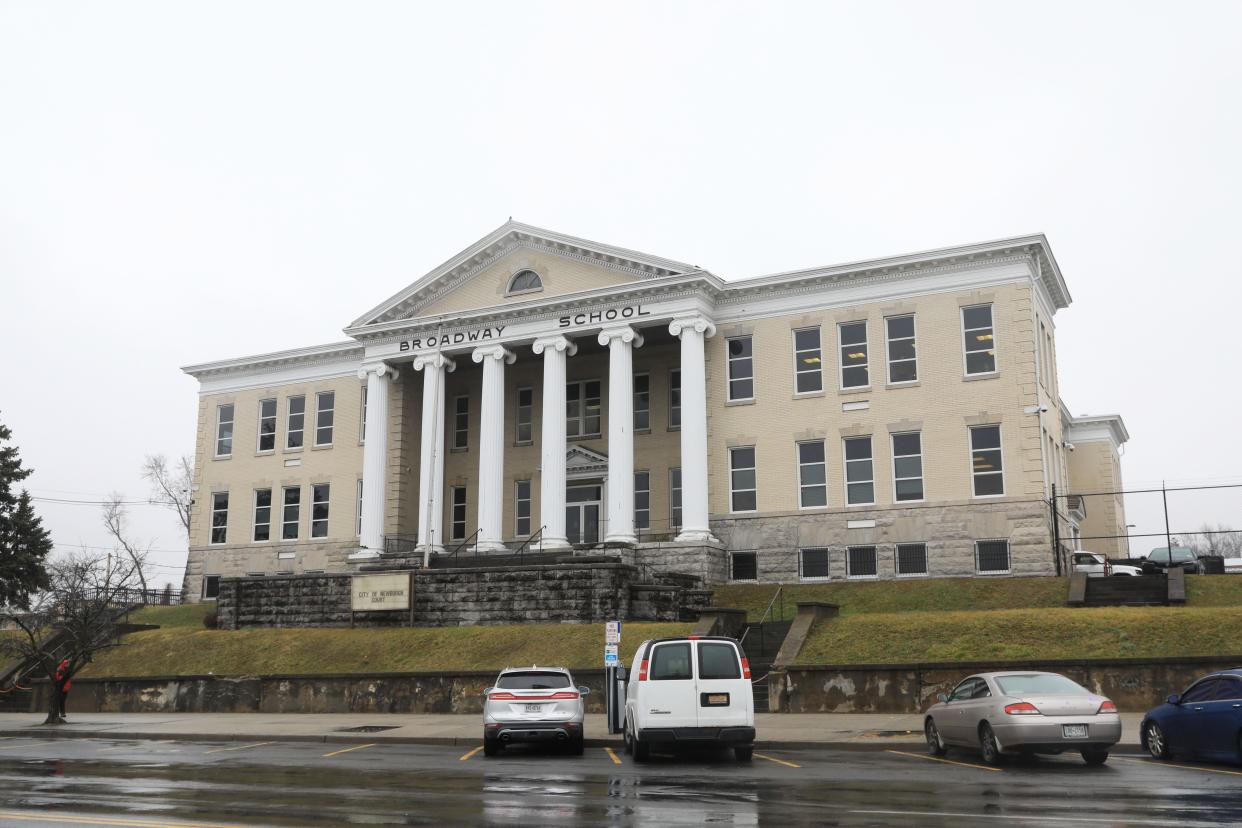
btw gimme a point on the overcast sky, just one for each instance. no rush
(185, 182)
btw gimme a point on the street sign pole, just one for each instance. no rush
(614, 694)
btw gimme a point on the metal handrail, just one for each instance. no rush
(464, 544)
(762, 619)
(521, 550)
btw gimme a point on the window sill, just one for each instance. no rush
(223, 457)
(862, 577)
(895, 385)
(674, 428)
(993, 574)
(978, 377)
(521, 443)
(987, 497)
(911, 575)
(324, 447)
(265, 453)
(294, 450)
(642, 431)
(808, 395)
(459, 450)
(870, 505)
(729, 403)
(858, 389)
(814, 580)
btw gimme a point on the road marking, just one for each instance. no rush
(240, 747)
(1017, 817)
(347, 750)
(65, 819)
(14, 747)
(471, 753)
(777, 761)
(612, 756)
(1162, 764)
(114, 747)
(946, 761)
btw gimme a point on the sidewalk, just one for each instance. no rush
(775, 730)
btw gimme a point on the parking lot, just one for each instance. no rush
(186, 783)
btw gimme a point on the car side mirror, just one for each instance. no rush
(583, 690)
(1174, 699)
(942, 697)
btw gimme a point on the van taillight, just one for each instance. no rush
(745, 668)
(642, 670)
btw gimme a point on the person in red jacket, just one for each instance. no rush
(63, 682)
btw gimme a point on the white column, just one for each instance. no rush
(431, 454)
(555, 350)
(375, 456)
(492, 447)
(694, 514)
(620, 341)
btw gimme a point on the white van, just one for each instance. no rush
(691, 690)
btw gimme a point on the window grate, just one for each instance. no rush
(992, 555)
(862, 562)
(911, 559)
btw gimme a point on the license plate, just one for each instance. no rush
(1074, 731)
(536, 708)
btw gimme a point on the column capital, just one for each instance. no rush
(622, 333)
(380, 369)
(435, 359)
(556, 342)
(697, 323)
(494, 352)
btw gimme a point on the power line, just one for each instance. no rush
(97, 502)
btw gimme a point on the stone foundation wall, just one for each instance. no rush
(239, 560)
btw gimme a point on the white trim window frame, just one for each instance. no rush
(290, 512)
(743, 480)
(295, 421)
(521, 508)
(908, 467)
(642, 402)
(916, 549)
(225, 413)
(979, 340)
(850, 564)
(859, 471)
(267, 426)
(674, 497)
(461, 422)
(642, 501)
(812, 461)
(531, 282)
(583, 414)
(211, 587)
(219, 531)
(321, 501)
(362, 425)
(901, 349)
(524, 415)
(979, 553)
(808, 360)
(986, 461)
(458, 508)
(325, 418)
(262, 516)
(853, 355)
(740, 371)
(822, 564)
(674, 399)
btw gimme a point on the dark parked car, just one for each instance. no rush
(1204, 722)
(1158, 561)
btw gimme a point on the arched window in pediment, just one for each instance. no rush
(526, 281)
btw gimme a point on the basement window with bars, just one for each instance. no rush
(744, 566)
(861, 562)
(813, 564)
(911, 559)
(211, 587)
(992, 557)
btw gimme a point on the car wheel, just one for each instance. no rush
(492, 747)
(627, 739)
(576, 746)
(1157, 744)
(641, 749)
(744, 754)
(1095, 757)
(989, 747)
(935, 745)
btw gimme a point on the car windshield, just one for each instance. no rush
(1183, 555)
(532, 680)
(1036, 684)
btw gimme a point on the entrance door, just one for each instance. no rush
(582, 510)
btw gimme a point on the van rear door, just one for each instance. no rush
(670, 699)
(722, 692)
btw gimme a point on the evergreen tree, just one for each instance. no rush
(24, 543)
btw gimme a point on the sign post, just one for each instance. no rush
(614, 685)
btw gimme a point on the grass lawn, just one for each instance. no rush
(183, 615)
(1058, 633)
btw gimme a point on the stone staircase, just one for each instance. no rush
(761, 642)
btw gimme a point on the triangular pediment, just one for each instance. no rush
(579, 459)
(480, 276)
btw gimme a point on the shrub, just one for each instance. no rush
(211, 621)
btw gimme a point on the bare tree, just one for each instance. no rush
(1215, 541)
(71, 622)
(115, 519)
(171, 486)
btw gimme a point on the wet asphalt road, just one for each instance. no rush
(156, 784)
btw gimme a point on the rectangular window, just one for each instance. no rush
(642, 500)
(979, 339)
(642, 402)
(808, 361)
(813, 564)
(521, 508)
(224, 430)
(861, 562)
(671, 662)
(362, 427)
(674, 498)
(461, 423)
(457, 527)
(992, 556)
(291, 514)
(296, 422)
(211, 587)
(219, 517)
(743, 486)
(358, 517)
(262, 515)
(985, 461)
(744, 566)
(320, 497)
(853, 340)
(267, 425)
(674, 399)
(812, 475)
(582, 409)
(525, 430)
(911, 559)
(902, 362)
(859, 471)
(325, 413)
(908, 466)
(741, 368)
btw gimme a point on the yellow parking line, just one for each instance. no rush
(612, 756)
(946, 761)
(347, 750)
(240, 747)
(65, 819)
(777, 761)
(14, 747)
(471, 753)
(1160, 763)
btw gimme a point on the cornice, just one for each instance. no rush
(314, 355)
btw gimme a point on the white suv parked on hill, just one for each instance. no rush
(533, 704)
(691, 690)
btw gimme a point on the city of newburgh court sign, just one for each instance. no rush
(375, 593)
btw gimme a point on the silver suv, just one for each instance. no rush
(533, 704)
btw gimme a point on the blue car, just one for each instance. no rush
(1205, 722)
